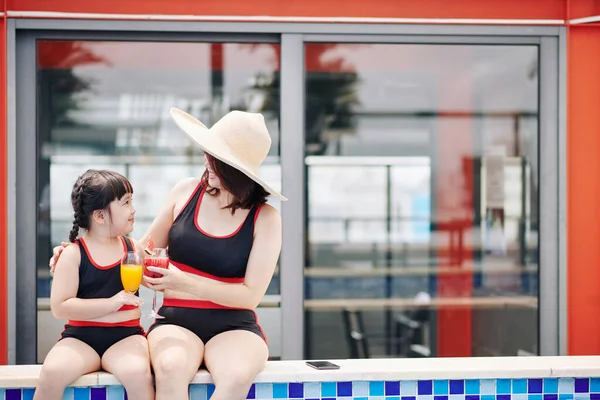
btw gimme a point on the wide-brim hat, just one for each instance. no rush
(239, 139)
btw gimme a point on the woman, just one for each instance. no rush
(224, 242)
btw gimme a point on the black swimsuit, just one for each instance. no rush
(222, 258)
(100, 282)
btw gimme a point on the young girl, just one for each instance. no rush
(104, 329)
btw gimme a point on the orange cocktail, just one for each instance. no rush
(131, 273)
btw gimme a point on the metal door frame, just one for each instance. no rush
(21, 136)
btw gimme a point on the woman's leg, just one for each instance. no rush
(176, 355)
(234, 358)
(129, 361)
(68, 360)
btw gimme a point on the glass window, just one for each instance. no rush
(105, 104)
(422, 192)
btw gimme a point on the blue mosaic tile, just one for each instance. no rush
(425, 387)
(264, 391)
(344, 389)
(550, 385)
(70, 395)
(251, 392)
(456, 397)
(519, 397)
(313, 390)
(280, 391)
(408, 398)
(472, 397)
(550, 396)
(296, 390)
(81, 393)
(503, 397)
(2, 394)
(199, 392)
(361, 398)
(535, 397)
(534, 386)
(13, 394)
(503, 386)
(565, 396)
(360, 389)
(488, 397)
(98, 393)
(457, 386)
(519, 386)
(472, 386)
(118, 393)
(376, 388)
(444, 397)
(566, 385)
(210, 389)
(595, 396)
(392, 388)
(27, 394)
(440, 387)
(328, 389)
(488, 386)
(582, 385)
(595, 385)
(408, 388)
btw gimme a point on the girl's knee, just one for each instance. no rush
(134, 373)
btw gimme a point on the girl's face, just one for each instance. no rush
(213, 179)
(122, 215)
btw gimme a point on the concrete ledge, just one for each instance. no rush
(25, 376)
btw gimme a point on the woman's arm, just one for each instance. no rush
(63, 297)
(261, 266)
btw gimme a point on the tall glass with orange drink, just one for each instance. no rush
(131, 272)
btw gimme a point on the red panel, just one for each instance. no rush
(583, 177)
(583, 8)
(524, 9)
(3, 194)
(454, 200)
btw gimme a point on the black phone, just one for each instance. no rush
(322, 365)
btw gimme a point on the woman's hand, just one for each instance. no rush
(56, 252)
(172, 279)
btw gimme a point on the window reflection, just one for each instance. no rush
(404, 255)
(106, 105)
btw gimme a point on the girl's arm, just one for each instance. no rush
(63, 297)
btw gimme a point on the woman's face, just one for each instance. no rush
(213, 179)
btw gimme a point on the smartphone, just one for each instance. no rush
(322, 365)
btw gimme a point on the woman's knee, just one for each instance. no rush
(236, 378)
(168, 367)
(136, 373)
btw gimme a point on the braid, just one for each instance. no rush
(78, 215)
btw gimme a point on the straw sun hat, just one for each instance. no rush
(239, 139)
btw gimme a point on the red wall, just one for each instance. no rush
(524, 9)
(583, 179)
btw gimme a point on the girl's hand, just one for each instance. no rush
(125, 299)
(172, 279)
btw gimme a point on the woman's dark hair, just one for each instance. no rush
(246, 192)
(95, 190)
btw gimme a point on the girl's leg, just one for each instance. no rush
(129, 361)
(68, 360)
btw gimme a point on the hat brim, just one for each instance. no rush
(214, 145)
